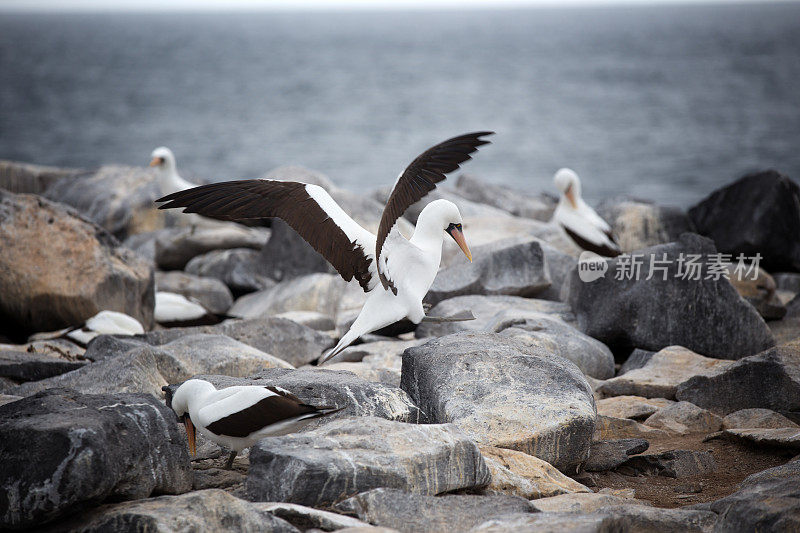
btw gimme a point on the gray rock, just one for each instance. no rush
(353, 455)
(25, 366)
(638, 224)
(610, 428)
(118, 198)
(555, 336)
(216, 478)
(133, 371)
(378, 349)
(312, 292)
(743, 216)
(415, 513)
(63, 451)
(633, 407)
(662, 374)
(205, 510)
(552, 523)
(787, 438)
(756, 418)
(559, 265)
(503, 393)
(210, 292)
(684, 418)
(6, 398)
(237, 268)
(706, 315)
(327, 387)
(642, 518)
(637, 359)
(485, 309)
(287, 255)
(583, 503)
(310, 319)
(287, 340)
(766, 501)
(517, 203)
(609, 454)
(769, 380)
(60, 269)
(516, 270)
(25, 178)
(675, 464)
(306, 518)
(787, 281)
(175, 248)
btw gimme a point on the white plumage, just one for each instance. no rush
(167, 171)
(173, 307)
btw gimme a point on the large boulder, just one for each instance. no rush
(287, 255)
(352, 455)
(519, 474)
(518, 203)
(638, 224)
(31, 366)
(120, 199)
(210, 292)
(759, 213)
(174, 248)
(57, 269)
(504, 393)
(26, 178)
(502, 268)
(238, 268)
(769, 380)
(706, 315)
(63, 451)
(312, 292)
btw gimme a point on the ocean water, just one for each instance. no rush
(663, 103)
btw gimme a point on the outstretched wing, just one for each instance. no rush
(307, 208)
(420, 178)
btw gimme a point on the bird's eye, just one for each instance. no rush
(452, 226)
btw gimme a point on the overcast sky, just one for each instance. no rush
(225, 5)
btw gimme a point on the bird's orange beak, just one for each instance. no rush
(571, 197)
(190, 434)
(458, 236)
(156, 161)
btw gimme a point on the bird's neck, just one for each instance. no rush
(428, 234)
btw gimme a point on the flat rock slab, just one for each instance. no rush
(353, 455)
(176, 247)
(705, 315)
(205, 510)
(27, 366)
(307, 517)
(756, 418)
(684, 418)
(238, 268)
(419, 513)
(328, 387)
(63, 451)
(675, 464)
(633, 407)
(788, 438)
(294, 343)
(609, 454)
(502, 393)
(485, 309)
(312, 292)
(643, 518)
(551, 523)
(210, 292)
(610, 428)
(582, 503)
(769, 380)
(519, 474)
(661, 375)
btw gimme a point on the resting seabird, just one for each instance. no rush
(103, 323)
(580, 221)
(396, 272)
(238, 417)
(168, 178)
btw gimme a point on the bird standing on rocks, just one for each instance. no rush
(580, 221)
(238, 417)
(395, 271)
(168, 178)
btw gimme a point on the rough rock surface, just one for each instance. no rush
(26, 366)
(676, 463)
(420, 513)
(610, 428)
(312, 292)
(237, 268)
(788, 438)
(556, 522)
(286, 255)
(210, 292)
(609, 454)
(353, 455)
(582, 503)
(519, 474)
(759, 213)
(661, 375)
(633, 407)
(90, 273)
(25, 178)
(176, 247)
(638, 225)
(513, 269)
(307, 517)
(287, 340)
(756, 418)
(502, 393)
(62, 451)
(705, 315)
(518, 203)
(769, 380)
(684, 418)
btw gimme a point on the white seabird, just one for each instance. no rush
(396, 272)
(103, 323)
(238, 417)
(167, 171)
(581, 222)
(175, 309)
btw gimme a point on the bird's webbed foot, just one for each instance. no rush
(461, 316)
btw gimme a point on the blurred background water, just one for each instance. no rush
(663, 103)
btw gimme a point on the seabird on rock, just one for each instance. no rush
(580, 221)
(238, 417)
(103, 323)
(396, 272)
(173, 309)
(168, 178)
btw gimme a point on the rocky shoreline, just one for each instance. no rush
(647, 399)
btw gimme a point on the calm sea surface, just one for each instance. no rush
(664, 103)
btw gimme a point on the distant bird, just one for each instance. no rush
(396, 272)
(103, 323)
(580, 221)
(238, 417)
(167, 170)
(173, 309)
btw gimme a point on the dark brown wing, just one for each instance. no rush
(599, 249)
(266, 412)
(420, 178)
(291, 202)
